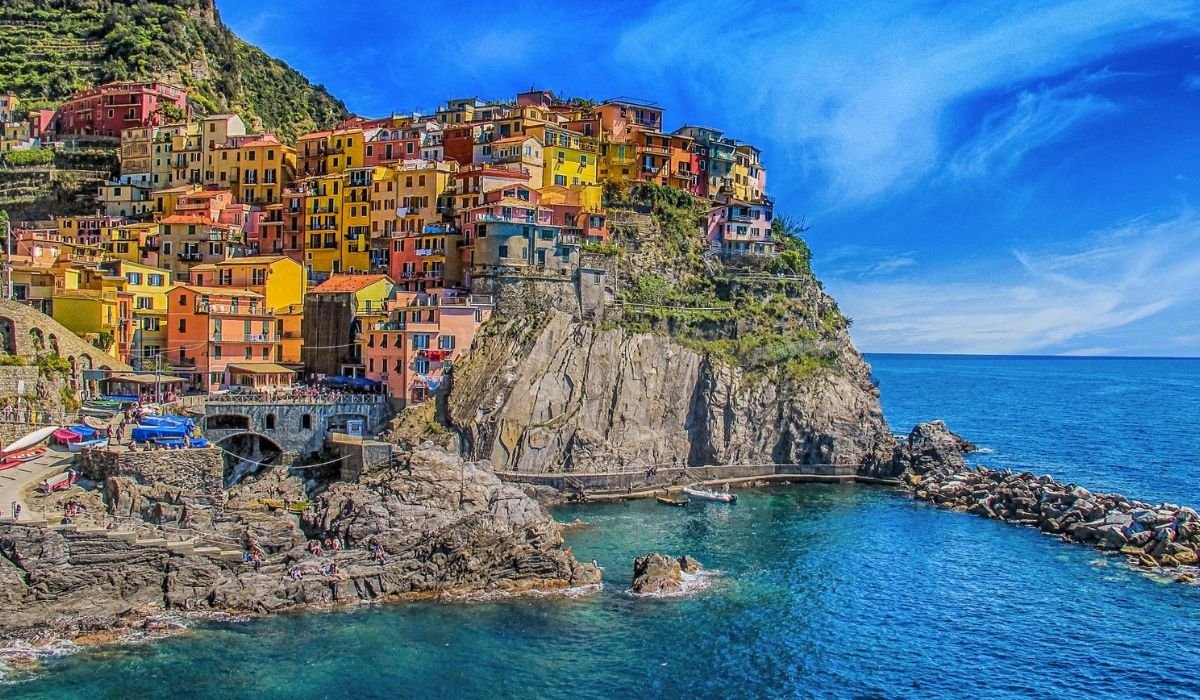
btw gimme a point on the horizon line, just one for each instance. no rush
(1035, 356)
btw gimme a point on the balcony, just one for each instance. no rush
(203, 307)
(191, 257)
(740, 217)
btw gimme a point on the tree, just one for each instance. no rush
(104, 340)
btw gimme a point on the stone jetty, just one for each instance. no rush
(1150, 536)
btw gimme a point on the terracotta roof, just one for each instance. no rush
(185, 219)
(348, 283)
(511, 139)
(314, 135)
(234, 291)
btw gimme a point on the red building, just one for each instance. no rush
(111, 108)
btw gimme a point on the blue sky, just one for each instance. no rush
(980, 177)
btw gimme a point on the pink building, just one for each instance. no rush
(110, 109)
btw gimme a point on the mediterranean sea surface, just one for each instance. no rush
(823, 591)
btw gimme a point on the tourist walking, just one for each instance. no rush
(14, 510)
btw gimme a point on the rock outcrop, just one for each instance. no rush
(569, 396)
(435, 526)
(1149, 536)
(659, 575)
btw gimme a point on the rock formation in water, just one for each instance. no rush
(1149, 536)
(432, 525)
(657, 574)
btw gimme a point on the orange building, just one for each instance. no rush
(223, 337)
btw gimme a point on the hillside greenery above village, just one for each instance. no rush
(51, 48)
(762, 314)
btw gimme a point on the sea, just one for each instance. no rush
(815, 591)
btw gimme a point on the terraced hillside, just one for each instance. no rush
(49, 48)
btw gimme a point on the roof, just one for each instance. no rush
(261, 368)
(219, 290)
(135, 378)
(314, 135)
(348, 283)
(511, 139)
(252, 260)
(188, 219)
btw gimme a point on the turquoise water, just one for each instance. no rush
(824, 591)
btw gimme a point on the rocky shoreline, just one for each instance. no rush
(1163, 537)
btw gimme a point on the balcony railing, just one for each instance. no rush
(191, 257)
(203, 307)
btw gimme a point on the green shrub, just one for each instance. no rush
(30, 157)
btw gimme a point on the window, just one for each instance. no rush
(247, 353)
(266, 353)
(446, 342)
(150, 323)
(166, 247)
(560, 180)
(134, 277)
(306, 421)
(421, 366)
(183, 325)
(504, 251)
(143, 303)
(154, 280)
(269, 421)
(217, 351)
(420, 341)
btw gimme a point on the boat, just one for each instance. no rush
(668, 501)
(90, 412)
(25, 455)
(710, 495)
(29, 440)
(87, 444)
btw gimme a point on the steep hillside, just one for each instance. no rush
(702, 362)
(49, 48)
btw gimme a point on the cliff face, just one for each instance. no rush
(577, 397)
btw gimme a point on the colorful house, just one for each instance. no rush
(423, 334)
(146, 315)
(741, 228)
(110, 109)
(279, 280)
(221, 337)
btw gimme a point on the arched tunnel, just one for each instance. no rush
(248, 453)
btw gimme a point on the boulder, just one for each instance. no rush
(656, 574)
(689, 565)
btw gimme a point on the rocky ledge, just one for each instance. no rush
(1150, 536)
(659, 575)
(432, 525)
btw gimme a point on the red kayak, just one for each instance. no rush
(9, 464)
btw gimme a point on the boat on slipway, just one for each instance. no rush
(704, 494)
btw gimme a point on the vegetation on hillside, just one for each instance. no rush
(50, 48)
(766, 314)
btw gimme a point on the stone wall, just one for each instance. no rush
(194, 471)
(27, 332)
(18, 381)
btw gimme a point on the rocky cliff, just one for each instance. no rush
(570, 396)
(701, 360)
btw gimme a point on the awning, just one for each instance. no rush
(264, 368)
(144, 379)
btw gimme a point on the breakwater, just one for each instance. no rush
(1151, 536)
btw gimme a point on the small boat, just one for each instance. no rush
(94, 412)
(87, 444)
(710, 495)
(29, 440)
(668, 501)
(25, 455)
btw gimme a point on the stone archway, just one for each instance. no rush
(38, 339)
(247, 453)
(227, 421)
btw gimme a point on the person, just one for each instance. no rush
(256, 559)
(14, 509)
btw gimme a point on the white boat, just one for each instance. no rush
(710, 495)
(87, 444)
(29, 440)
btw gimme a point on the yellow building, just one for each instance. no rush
(133, 243)
(92, 302)
(14, 136)
(137, 147)
(420, 185)
(192, 145)
(146, 287)
(344, 150)
(162, 164)
(254, 168)
(33, 285)
(570, 161)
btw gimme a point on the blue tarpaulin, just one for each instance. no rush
(83, 431)
(336, 380)
(167, 420)
(146, 433)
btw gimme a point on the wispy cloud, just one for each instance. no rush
(864, 95)
(852, 260)
(1192, 82)
(1041, 301)
(1034, 119)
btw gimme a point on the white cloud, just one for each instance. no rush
(1192, 82)
(863, 94)
(1035, 301)
(1034, 119)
